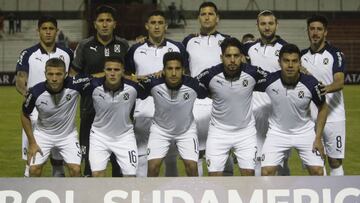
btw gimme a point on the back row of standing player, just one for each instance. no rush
(203, 52)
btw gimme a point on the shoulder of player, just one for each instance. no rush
(304, 51)
(136, 46)
(65, 49)
(308, 79)
(86, 41)
(175, 43)
(332, 49)
(131, 83)
(188, 38)
(37, 89)
(31, 50)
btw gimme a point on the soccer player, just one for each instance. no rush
(247, 38)
(56, 101)
(232, 125)
(174, 96)
(290, 125)
(89, 58)
(327, 64)
(29, 69)
(264, 53)
(145, 58)
(204, 52)
(112, 129)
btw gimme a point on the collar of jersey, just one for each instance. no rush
(98, 42)
(177, 87)
(321, 50)
(43, 51)
(53, 92)
(290, 85)
(120, 88)
(204, 34)
(236, 76)
(163, 43)
(277, 39)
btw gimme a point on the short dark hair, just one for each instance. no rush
(105, 9)
(289, 49)
(170, 56)
(318, 18)
(231, 41)
(116, 59)
(55, 62)
(266, 13)
(45, 19)
(208, 4)
(156, 13)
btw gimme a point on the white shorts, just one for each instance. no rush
(187, 143)
(334, 139)
(277, 144)
(220, 142)
(124, 147)
(68, 148)
(25, 143)
(202, 112)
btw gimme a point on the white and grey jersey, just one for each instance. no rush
(174, 106)
(291, 104)
(323, 65)
(145, 58)
(32, 60)
(263, 55)
(56, 110)
(113, 108)
(232, 97)
(204, 51)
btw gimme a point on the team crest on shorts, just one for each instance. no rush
(186, 96)
(68, 97)
(277, 53)
(117, 48)
(126, 96)
(245, 83)
(326, 61)
(301, 94)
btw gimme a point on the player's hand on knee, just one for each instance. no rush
(318, 148)
(33, 149)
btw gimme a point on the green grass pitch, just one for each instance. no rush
(11, 164)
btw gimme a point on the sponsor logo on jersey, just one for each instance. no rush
(44, 102)
(93, 48)
(326, 61)
(143, 52)
(245, 83)
(275, 90)
(102, 96)
(39, 59)
(197, 42)
(301, 94)
(21, 57)
(126, 96)
(186, 96)
(117, 48)
(107, 52)
(220, 82)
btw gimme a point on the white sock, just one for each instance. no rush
(200, 167)
(339, 171)
(324, 170)
(26, 172)
(58, 171)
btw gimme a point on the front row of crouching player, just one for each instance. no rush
(230, 84)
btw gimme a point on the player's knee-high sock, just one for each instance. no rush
(339, 171)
